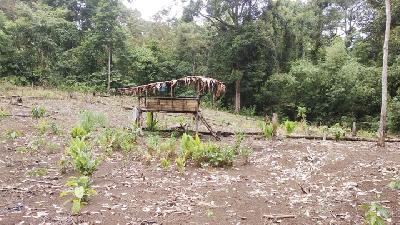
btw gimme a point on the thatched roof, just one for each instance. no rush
(202, 85)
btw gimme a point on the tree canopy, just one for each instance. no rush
(323, 55)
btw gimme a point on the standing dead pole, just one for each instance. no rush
(382, 122)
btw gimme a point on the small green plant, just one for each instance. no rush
(267, 129)
(239, 137)
(54, 128)
(80, 190)
(375, 214)
(395, 185)
(78, 132)
(302, 113)
(245, 154)
(248, 111)
(82, 157)
(180, 164)
(151, 123)
(42, 126)
(167, 149)
(90, 120)
(290, 126)
(152, 144)
(165, 163)
(337, 131)
(218, 156)
(3, 113)
(38, 172)
(117, 139)
(189, 145)
(14, 134)
(38, 112)
(22, 149)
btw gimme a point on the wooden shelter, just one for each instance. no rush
(150, 99)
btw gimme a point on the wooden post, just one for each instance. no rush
(275, 125)
(354, 130)
(196, 118)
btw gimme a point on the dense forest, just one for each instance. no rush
(274, 55)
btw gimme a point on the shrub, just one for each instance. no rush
(337, 131)
(3, 113)
(302, 113)
(152, 144)
(90, 120)
(290, 126)
(180, 164)
(14, 134)
(82, 159)
(42, 126)
(78, 132)
(245, 153)
(38, 172)
(213, 154)
(38, 112)
(203, 154)
(239, 137)
(189, 145)
(167, 149)
(267, 129)
(55, 129)
(395, 185)
(165, 163)
(248, 111)
(80, 190)
(394, 115)
(151, 123)
(117, 139)
(375, 214)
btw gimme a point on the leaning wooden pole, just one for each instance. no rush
(382, 122)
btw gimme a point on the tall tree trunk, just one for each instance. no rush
(237, 96)
(382, 123)
(109, 70)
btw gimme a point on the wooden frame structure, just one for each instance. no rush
(190, 105)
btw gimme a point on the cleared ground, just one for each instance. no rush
(311, 182)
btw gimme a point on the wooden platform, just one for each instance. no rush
(169, 104)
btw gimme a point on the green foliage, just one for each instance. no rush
(42, 126)
(3, 113)
(78, 132)
(14, 134)
(205, 154)
(189, 145)
(394, 115)
(302, 113)
(337, 131)
(89, 120)
(37, 172)
(375, 214)
(167, 148)
(38, 112)
(54, 128)
(117, 140)
(151, 123)
(180, 164)
(80, 190)
(165, 163)
(245, 153)
(266, 129)
(395, 185)
(290, 126)
(82, 157)
(248, 111)
(239, 137)
(152, 144)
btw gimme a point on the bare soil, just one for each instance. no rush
(312, 182)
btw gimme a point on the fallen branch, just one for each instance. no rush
(282, 216)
